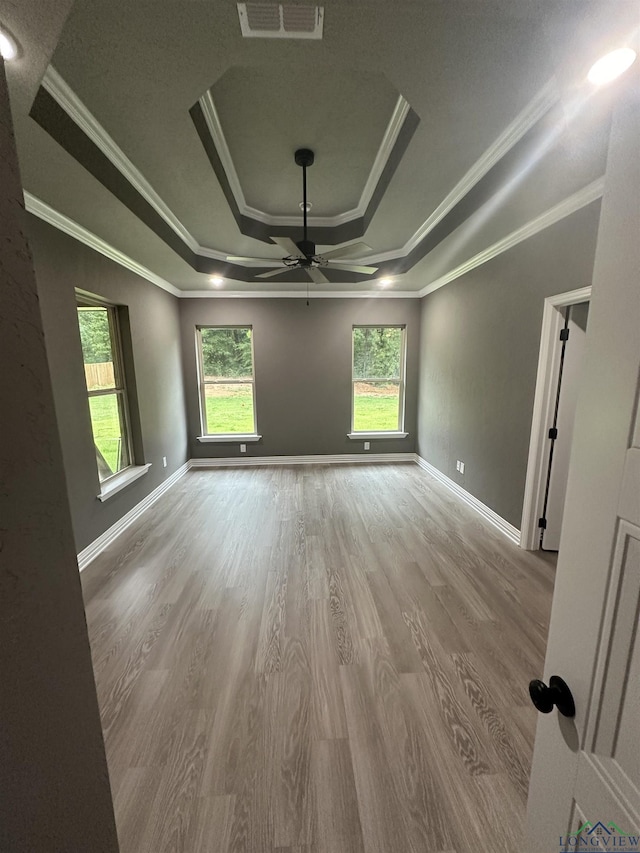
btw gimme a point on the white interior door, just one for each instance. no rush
(587, 769)
(574, 357)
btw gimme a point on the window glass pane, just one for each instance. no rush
(107, 422)
(226, 354)
(229, 408)
(377, 353)
(376, 406)
(95, 335)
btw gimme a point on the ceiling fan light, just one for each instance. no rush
(216, 280)
(384, 282)
(8, 46)
(610, 66)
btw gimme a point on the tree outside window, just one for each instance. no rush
(378, 378)
(108, 407)
(227, 387)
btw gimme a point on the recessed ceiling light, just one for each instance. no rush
(217, 280)
(8, 46)
(384, 282)
(611, 65)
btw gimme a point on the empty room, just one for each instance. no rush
(320, 459)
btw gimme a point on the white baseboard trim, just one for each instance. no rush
(486, 512)
(104, 540)
(98, 545)
(341, 458)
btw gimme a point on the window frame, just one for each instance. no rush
(202, 383)
(399, 431)
(88, 300)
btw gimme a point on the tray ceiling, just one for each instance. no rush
(501, 127)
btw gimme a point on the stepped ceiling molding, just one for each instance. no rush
(444, 134)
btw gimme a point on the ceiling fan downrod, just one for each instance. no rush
(304, 157)
(301, 254)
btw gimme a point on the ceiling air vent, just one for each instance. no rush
(278, 21)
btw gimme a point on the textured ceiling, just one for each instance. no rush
(267, 112)
(466, 69)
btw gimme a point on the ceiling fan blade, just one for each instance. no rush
(272, 273)
(336, 265)
(287, 245)
(316, 276)
(266, 262)
(353, 250)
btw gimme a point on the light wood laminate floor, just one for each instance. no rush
(316, 658)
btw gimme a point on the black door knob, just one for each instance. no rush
(557, 693)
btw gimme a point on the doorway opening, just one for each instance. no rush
(560, 361)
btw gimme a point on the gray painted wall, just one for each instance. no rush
(62, 264)
(54, 785)
(302, 371)
(480, 339)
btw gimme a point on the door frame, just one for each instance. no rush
(543, 406)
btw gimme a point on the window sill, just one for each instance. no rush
(229, 439)
(120, 481)
(355, 436)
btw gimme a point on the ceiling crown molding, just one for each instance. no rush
(565, 208)
(554, 214)
(64, 95)
(299, 294)
(214, 126)
(537, 107)
(48, 214)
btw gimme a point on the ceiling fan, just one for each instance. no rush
(302, 255)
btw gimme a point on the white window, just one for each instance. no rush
(106, 389)
(378, 375)
(227, 387)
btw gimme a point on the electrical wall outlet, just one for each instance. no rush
(457, 464)
(367, 445)
(164, 461)
(243, 448)
(461, 467)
